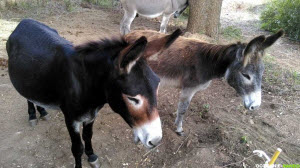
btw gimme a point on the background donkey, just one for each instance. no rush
(191, 65)
(152, 9)
(47, 70)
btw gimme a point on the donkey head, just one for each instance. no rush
(245, 73)
(132, 93)
(134, 88)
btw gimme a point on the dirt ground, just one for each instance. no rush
(215, 122)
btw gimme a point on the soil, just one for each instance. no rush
(219, 132)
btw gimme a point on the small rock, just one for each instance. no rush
(188, 143)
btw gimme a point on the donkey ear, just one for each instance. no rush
(159, 44)
(131, 54)
(272, 39)
(253, 46)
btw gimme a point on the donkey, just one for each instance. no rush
(151, 9)
(191, 65)
(48, 71)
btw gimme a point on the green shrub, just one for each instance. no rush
(283, 14)
(232, 32)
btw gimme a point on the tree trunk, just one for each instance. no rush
(204, 17)
(213, 19)
(197, 16)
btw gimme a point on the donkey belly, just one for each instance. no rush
(168, 81)
(152, 8)
(31, 78)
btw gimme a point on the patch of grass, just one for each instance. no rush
(296, 77)
(103, 3)
(232, 32)
(206, 107)
(268, 58)
(244, 139)
(180, 21)
(25, 4)
(186, 13)
(204, 111)
(9, 4)
(277, 79)
(69, 5)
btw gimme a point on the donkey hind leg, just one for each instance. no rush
(32, 114)
(77, 146)
(87, 134)
(164, 23)
(126, 22)
(184, 102)
(43, 113)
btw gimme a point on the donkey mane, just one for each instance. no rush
(217, 53)
(218, 57)
(106, 46)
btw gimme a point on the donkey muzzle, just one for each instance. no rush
(150, 134)
(252, 101)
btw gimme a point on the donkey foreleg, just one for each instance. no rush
(77, 146)
(164, 23)
(184, 102)
(87, 134)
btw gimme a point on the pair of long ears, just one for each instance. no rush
(131, 54)
(259, 44)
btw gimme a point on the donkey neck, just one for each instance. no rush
(89, 79)
(215, 59)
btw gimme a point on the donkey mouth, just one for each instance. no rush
(136, 139)
(252, 101)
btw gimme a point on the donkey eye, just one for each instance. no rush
(246, 76)
(136, 101)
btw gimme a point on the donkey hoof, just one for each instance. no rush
(45, 117)
(181, 133)
(94, 161)
(33, 122)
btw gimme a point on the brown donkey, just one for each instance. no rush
(191, 65)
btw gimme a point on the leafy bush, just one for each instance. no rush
(232, 32)
(283, 14)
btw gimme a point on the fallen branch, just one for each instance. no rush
(182, 143)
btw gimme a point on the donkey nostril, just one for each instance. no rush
(154, 142)
(251, 107)
(150, 143)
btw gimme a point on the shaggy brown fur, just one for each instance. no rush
(187, 56)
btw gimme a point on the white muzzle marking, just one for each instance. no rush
(149, 134)
(253, 100)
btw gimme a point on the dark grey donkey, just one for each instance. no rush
(191, 65)
(151, 9)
